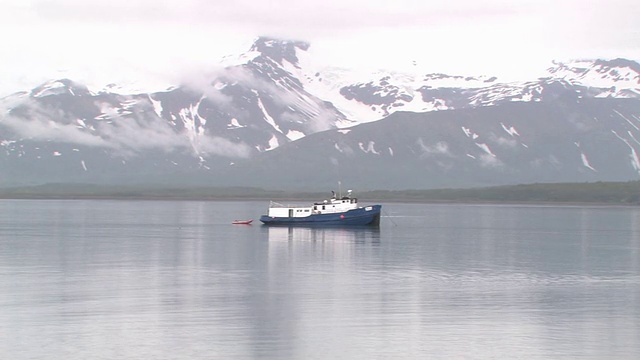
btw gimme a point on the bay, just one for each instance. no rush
(105, 279)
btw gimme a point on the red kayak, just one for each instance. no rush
(242, 222)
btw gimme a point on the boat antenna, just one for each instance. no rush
(339, 189)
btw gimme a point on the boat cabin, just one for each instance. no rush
(330, 206)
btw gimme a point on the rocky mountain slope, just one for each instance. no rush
(566, 140)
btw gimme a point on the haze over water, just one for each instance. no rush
(175, 280)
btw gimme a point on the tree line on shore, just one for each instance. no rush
(597, 192)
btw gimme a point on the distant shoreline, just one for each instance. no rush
(363, 201)
(583, 194)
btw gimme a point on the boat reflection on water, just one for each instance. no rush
(334, 234)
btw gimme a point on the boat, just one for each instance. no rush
(340, 211)
(242, 222)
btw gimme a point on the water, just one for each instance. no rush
(175, 280)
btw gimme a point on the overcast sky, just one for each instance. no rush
(97, 42)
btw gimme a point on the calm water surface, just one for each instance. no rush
(175, 280)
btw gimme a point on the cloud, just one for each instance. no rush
(152, 133)
(38, 123)
(126, 135)
(489, 161)
(310, 113)
(209, 81)
(139, 134)
(145, 39)
(323, 119)
(503, 142)
(439, 148)
(281, 14)
(223, 147)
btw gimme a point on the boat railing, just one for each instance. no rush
(273, 204)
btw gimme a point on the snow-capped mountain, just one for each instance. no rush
(616, 78)
(385, 93)
(212, 128)
(565, 140)
(255, 105)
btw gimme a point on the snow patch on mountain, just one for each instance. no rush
(369, 149)
(510, 130)
(469, 133)
(626, 119)
(234, 124)
(157, 106)
(294, 135)
(267, 117)
(192, 121)
(107, 111)
(585, 161)
(273, 143)
(49, 88)
(325, 83)
(635, 160)
(486, 149)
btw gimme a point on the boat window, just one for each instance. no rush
(322, 207)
